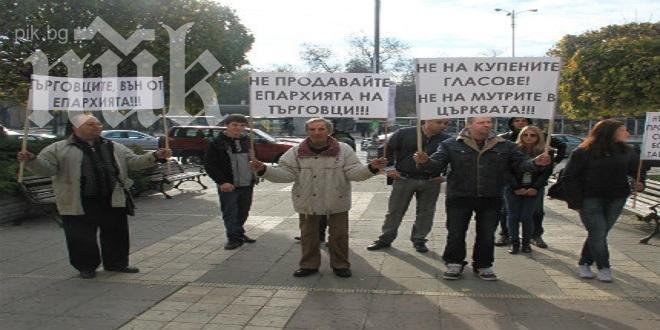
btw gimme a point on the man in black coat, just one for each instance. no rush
(479, 160)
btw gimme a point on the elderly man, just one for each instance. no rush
(409, 180)
(89, 174)
(321, 169)
(480, 161)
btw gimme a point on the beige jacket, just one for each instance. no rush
(321, 183)
(62, 160)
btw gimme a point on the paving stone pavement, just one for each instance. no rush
(188, 281)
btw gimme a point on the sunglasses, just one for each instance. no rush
(534, 135)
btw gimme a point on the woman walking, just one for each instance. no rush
(598, 179)
(524, 192)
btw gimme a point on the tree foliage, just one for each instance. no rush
(614, 71)
(216, 29)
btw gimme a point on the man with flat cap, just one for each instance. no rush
(89, 176)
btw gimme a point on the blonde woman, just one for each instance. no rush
(524, 192)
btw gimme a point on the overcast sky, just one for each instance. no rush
(432, 28)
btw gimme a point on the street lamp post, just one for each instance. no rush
(376, 64)
(513, 14)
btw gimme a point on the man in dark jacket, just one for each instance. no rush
(227, 163)
(410, 180)
(478, 159)
(515, 125)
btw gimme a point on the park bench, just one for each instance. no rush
(38, 191)
(644, 206)
(174, 173)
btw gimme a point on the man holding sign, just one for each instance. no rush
(321, 169)
(89, 174)
(480, 161)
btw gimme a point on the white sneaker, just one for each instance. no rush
(453, 272)
(585, 272)
(486, 274)
(604, 275)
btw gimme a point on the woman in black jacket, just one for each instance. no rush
(523, 194)
(598, 178)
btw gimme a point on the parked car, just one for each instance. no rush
(571, 141)
(190, 143)
(132, 138)
(31, 136)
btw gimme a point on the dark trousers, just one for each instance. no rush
(235, 207)
(81, 231)
(459, 212)
(337, 241)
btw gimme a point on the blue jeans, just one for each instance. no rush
(235, 207)
(459, 212)
(598, 216)
(520, 209)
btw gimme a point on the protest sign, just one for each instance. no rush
(491, 87)
(349, 95)
(93, 94)
(651, 139)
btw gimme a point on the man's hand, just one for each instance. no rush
(520, 191)
(163, 153)
(378, 163)
(257, 166)
(438, 179)
(25, 156)
(421, 157)
(531, 192)
(543, 159)
(638, 186)
(393, 174)
(227, 187)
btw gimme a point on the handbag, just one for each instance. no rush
(557, 190)
(130, 202)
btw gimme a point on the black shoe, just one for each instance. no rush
(297, 238)
(421, 247)
(127, 269)
(342, 272)
(503, 241)
(515, 248)
(377, 245)
(526, 248)
(538, 241)
(88, 274)
(248, 240)
(302, 272)
(232, 244)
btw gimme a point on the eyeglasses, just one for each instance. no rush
(533, 135)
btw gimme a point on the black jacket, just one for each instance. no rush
(539, 179)
(217, 162)
(479, 173)
(401, 147)
(608, 176)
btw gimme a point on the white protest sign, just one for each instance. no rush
(349, 95)
(651, 139)
(489, 87)
(93, 94)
